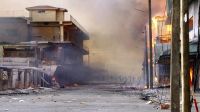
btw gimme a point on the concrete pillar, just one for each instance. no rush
(14, 78)
(1, 81)
(43, 84)
(35, 74)
(31, 78)
(26, 78)
(39, 79)
(61, 32)
(9, 79)
(21, 82)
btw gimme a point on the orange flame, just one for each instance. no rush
(191, 75)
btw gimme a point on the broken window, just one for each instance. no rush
(41, 11)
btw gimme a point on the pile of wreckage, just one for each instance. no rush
(158, 97)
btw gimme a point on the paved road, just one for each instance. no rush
(81, 99)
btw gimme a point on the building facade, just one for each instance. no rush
(162, 57)
(33, 48)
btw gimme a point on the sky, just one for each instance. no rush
(115, 27)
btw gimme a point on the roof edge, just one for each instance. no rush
(45, 7)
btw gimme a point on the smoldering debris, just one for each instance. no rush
(160, 98)
(68, 75)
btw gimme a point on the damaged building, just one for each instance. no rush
(163, 44)
(33, 48)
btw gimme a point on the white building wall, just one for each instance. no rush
(60, 15)
(47, 16)
(193, 12)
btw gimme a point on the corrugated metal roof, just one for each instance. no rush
(192, 49)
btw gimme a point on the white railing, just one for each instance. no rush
(16, 61)
(78, 25)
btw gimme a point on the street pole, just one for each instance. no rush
(198, 51)
(146, 59)
(150, 49)
(175, 59)
(185, 56)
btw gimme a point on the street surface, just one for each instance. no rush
(94, 98)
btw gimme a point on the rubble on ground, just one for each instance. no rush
(157, 97)
(27, 91)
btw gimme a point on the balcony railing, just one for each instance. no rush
(26, 62)
(78, 25)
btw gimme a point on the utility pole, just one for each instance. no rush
(175, 59)
(185, 77)
(198, 51)
(146, 59)
(150, 49)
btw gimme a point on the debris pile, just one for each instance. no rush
(158, 97)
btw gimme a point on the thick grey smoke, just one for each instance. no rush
(116, 28)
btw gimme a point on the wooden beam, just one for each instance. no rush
(185, 77)
(175, 58)
(150, 49)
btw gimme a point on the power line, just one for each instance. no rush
(140, 10)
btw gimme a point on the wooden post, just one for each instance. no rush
(150, 49)
(198, 48)
(175, 59)
(185, 77)
(198, 52)
(146, 59)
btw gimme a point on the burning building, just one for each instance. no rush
(162, 44)
(33, 48)
(163, 48)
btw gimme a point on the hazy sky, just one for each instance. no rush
(114, 25)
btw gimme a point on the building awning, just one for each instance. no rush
(42, 44)
(165, 57)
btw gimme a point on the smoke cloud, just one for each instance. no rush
(115, 28)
